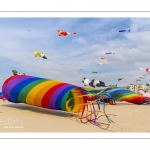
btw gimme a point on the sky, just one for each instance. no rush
(95, 37)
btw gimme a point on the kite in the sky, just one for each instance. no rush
(101, 63)
(141, 77)
(120, 79)
(74, 33)
(124, 30)
(109, 53)
(140, 68)
(28, 30)
(94, 72)
(37, 53)
(62, 33)
(102, 58)
(43, 56)
(148, 70)
(93, 83)
(138, 80)
(145, 75)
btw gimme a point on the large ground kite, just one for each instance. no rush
(53, 94)
(121, 94)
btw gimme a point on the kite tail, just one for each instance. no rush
(89, 114)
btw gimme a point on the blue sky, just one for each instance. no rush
(95, 37)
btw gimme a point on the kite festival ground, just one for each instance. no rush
(27, 118)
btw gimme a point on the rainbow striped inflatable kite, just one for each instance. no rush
(45, 93)
(121, 94)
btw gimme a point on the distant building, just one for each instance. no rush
(132, 87)
(147, 90)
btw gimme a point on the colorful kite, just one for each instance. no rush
(62, 33)
(37, 53)
(121, 94)
(141, 77)
(53, 94)
(148, 70)
(109, 53)
(74, 33)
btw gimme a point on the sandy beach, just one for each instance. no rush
(27, 118)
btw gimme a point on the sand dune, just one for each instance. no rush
(26, 118)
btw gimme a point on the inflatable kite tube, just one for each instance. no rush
(45, 93)
(120, 94)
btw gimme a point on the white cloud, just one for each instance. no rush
(80, 40)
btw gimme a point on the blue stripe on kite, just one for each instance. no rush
(60, 97)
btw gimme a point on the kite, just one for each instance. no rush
(121, 94)
(140, 68)
(102, 58)
(145, 75)
(56, 95)
(93, 83)
(94, 72)
(124, 31)
(138, 80)
(74, 33)
(43, 56)
(101, 63)
(141, 77)
(148, 70)
(37, 53)
(120, 79)
(62, 33)
(28, 30)
(109, 53)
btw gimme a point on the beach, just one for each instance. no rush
(26, 118)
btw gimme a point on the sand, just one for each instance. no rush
(27, 118)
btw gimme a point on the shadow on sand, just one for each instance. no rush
(40, 110)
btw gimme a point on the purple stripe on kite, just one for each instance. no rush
(53, 98)
(15, 82)
(4, 89)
